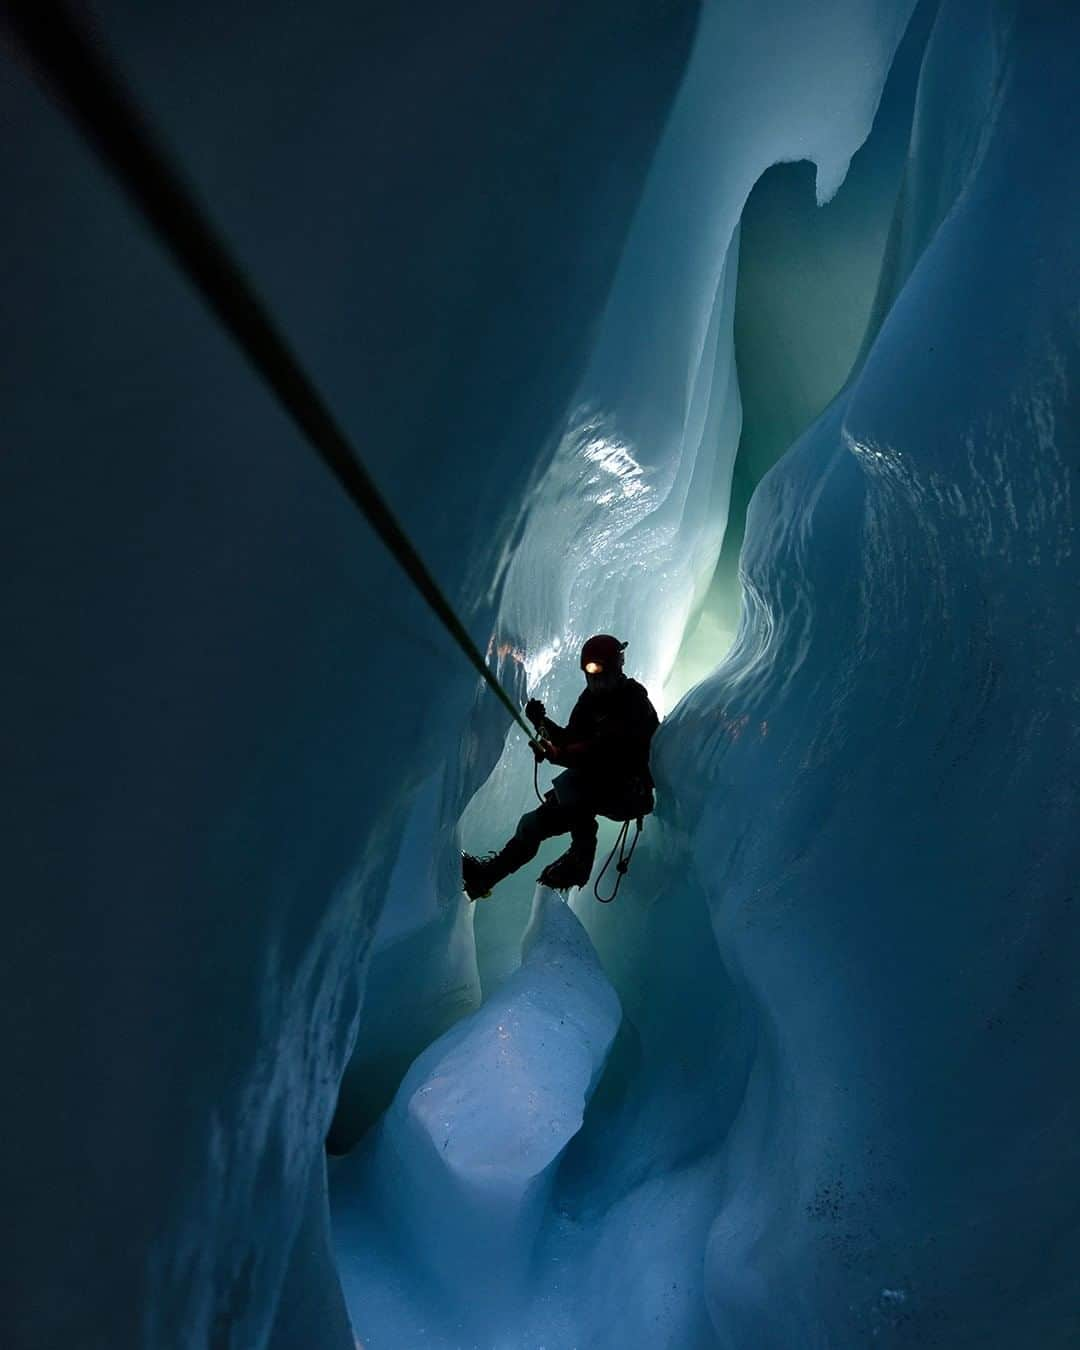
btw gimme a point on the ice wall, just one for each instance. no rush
(835, 1113)
(625, 527)
(620, 534)
(218, 693)
(837, 1109)
(878, 786)
(805, 309)
(622, 527)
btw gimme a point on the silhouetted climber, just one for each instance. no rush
(604, 749)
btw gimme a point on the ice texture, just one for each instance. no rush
(808, 302)
(839, 1108)
(460, 1170)
(222, 699)
(852, 1127)
(624, 527)
(877, 786)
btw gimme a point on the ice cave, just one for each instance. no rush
(745, 330)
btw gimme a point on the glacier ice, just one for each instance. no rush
(809, 299)
(624, 528)
(834, 1182)
(836, 1108)
(222, 697)
(901, 923)
(460, 1170)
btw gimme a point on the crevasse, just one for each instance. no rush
(847, 1093)
(584, 285)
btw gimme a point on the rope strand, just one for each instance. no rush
(623, 865)
(93, 93)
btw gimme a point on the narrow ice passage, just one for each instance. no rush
(589, 284)
(746, 1164)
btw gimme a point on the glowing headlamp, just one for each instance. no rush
(594, 668)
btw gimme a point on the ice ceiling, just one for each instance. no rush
(747, 331)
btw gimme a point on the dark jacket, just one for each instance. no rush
(606, 742)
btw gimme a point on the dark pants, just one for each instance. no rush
(551, 819)
(571, 807)
(567, 809)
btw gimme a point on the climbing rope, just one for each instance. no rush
(623, 865)
(80, 77)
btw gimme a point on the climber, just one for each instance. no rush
(604, 750)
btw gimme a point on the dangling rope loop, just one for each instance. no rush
(623, 865)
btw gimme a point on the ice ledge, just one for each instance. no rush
(465, 1156)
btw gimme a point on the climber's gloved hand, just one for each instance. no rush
(534, 711)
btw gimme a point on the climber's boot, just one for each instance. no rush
(573, 868)
(480, 875)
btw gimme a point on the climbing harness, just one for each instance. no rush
(623, 865)
(94, 95)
